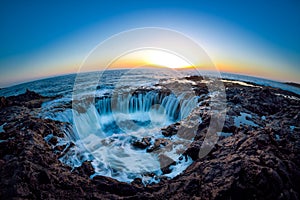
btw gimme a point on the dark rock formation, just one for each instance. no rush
(170, 130)
(194, 78)
(256, 162)
(293, 84)
(157, 144)
(142, 144)
(3, 102)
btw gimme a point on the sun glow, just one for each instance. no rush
(151, 58)
(166, 59)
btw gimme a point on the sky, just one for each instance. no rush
(47, 38)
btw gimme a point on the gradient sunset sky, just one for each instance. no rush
(47, 38)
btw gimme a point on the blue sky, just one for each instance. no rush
(43, 38)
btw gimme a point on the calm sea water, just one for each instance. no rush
(63, 85)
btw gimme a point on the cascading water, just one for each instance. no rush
(106, 130)
(139, 107)
(109, 128)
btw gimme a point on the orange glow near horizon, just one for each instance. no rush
(250, 69)
(164, 59)
(151, 58)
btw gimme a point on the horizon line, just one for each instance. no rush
(123, 68)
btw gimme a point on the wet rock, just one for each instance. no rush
(23, 98)
(142, 144)
(193, 150)
(158, 143)
(61, 150)
(195, 78)
(170, 130)
(137, 182)
(200, 89)
(53, 140)
(86, 169)
(165, 163)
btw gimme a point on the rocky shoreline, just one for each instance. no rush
(257, 155)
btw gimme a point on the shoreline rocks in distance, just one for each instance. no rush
(293, 84)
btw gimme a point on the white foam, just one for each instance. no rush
(288, 96)
(88, 123)
(180, 166)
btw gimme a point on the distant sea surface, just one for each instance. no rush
(63, 85)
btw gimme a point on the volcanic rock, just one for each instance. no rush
(142, 144)
(165, 163)
(3, 102)
(158, 143)
(170, 130)
(255, 162)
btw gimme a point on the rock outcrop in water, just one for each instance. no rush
(257, 155)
